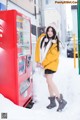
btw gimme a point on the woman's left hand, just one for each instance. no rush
(41, 66)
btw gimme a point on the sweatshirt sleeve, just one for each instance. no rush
(51, 56)
(37, 48)
(37, 53)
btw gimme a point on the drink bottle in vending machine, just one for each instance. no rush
(16, 81)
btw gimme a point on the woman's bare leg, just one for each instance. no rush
(53, 90)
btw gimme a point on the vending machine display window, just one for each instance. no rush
(23, 34)
(22, 66)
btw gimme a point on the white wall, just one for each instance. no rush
(63, 23)
(3, 1)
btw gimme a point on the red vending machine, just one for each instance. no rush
(15, 57)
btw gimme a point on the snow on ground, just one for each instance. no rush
(68, 82)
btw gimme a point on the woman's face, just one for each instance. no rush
(50, 32)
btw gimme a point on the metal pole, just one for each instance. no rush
(78, 15)
(74, 45)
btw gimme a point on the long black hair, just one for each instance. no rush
(53, 37)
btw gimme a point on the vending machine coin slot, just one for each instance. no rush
(28, 60)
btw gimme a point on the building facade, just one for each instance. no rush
(54, 13)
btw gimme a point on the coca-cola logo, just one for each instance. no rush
(1, 28)
(1, 31)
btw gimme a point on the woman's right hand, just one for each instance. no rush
(39, 65)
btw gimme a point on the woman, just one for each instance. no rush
(47, 57)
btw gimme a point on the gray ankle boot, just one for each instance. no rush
(52, 102)
(62, 103)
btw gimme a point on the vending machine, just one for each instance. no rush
(16, 81)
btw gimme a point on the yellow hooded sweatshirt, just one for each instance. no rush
(52, 57)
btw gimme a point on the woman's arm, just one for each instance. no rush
(37, 53)
(37, 49)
